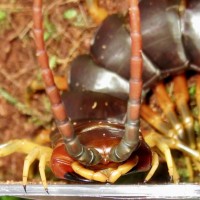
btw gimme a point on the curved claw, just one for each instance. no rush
(123, 169)
(43, 156)
(33, 151)
(88, 173)
(155, 163)
(105, 175)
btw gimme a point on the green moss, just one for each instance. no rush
(11, 198)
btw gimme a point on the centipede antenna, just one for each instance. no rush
(72, 144)
(130, 140)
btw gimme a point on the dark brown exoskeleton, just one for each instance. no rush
(171, 46)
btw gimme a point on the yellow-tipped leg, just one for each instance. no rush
(155, 120)
(10, 147)
(154, 139)
(123, 169)
(43, 154)
(164, 148)
(181, 96)
(33, 151)
(42, 164)
(155, 163)
(188, 163)
(87, 173)
(28, 161)
(167, 106)
(105, 175)
(176, 176)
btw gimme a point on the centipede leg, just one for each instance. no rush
(154, 139)
(155, 163)
(181, 98)
(87, 173)
(33, 151)
(27, 163)
(176, 176)
(167, 106)
(156, 121)
(97, 13)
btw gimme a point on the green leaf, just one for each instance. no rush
(192, 90)
(70, 14)
(50, 29)
(3, 15)
(47, 35)
(53, 62)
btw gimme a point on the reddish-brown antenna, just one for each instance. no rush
(74, 148)
(131, 138)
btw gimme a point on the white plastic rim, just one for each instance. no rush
(148, 191)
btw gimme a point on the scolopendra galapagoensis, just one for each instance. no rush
(92, 77)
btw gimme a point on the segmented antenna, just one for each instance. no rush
(130, 140)
(73, 146)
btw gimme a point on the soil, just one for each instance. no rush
(29, 112)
